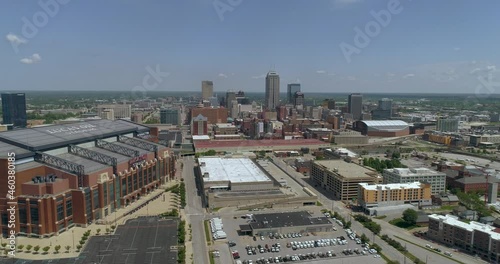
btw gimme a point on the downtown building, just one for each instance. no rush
(355, 105)
(207, 90)
(14, 109)
(406, 175)
(272, 98)
(75, 174)
(474, 238)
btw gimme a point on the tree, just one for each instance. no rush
(29, 247)
(36, 249)
(364, 238)
(410, 216)
(348, 224)
(46, 249)
(4, 245)
(20, 247)
(98, 231)
(67, 248)
(57, 248)
(78, 247)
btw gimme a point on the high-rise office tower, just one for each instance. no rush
(272, 90)
(207, 89)
(385, 104)
(384, 110)
(14, 109)
(355, 105)
(169, 116)
(292, 88)
(230, 96)
(298, 100)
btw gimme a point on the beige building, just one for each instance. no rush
(119, 110)
(225, 129)
(207, 89)
(379, 195)
(341, 177)
(108, 114)
(349, 137)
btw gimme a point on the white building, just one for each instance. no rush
(406, 175)
(119, 110)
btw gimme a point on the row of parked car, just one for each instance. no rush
(324, 242)
(263, 249)
(283, 236)
(291, 258)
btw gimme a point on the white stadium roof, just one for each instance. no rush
(389, 125)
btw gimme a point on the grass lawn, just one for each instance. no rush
(212, 259)
(380, 217)
(207, 232)
(402, 224)
(318, 203)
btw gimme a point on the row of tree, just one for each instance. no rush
(381, 165)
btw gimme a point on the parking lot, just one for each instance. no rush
(323, 247)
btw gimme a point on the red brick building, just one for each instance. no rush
(214, 115)
(67, 175)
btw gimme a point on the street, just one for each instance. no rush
(195, 212)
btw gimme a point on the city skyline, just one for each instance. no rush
(116, 56)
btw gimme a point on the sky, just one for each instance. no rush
(448, 46)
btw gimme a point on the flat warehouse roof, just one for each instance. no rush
(237, 170)
(276, 220)
(346, 169)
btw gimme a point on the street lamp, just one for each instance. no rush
(73, 232)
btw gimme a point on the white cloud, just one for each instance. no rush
(475, 70)
(332, 74)
(351, 78)
(409, 75)
(35, 58)
(456, 49)
(491, 68)
(14, 39)
(390, 74)
(222, 75)
(320, 71)
(259, 76)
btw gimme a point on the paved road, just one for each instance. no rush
(195, 212)
(423, 253)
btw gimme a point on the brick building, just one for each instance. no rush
(213, 115)
(75, 174)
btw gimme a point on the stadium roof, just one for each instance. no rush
(49, 137)
(19, 152)
(386, 124)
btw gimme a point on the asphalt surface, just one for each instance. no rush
(194, 210)
(145, 240)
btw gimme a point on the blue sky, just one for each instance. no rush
(448, 46)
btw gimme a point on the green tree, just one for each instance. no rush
(348, 224)
(67, 248)
(98, 231)
(364, 238)
(36, 248)
(29, 247)
(57, 248)
(410, 216)
(46, 249)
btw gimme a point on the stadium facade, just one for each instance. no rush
(75, 174)
(382, 128)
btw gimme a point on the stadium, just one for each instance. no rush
(75, 174)
(382, 128)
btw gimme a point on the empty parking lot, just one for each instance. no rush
(146, 240)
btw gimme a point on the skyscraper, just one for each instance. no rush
(14, 109)
(355, 105)
(292, 88)
(230, 97)
(385, 104)
(272, 90)
(169, 116)
(207, 89)
(298, 100)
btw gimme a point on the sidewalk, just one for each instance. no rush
(72, 236)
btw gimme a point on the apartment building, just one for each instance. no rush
(474, 238)
(379, 195)
(407, 175)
